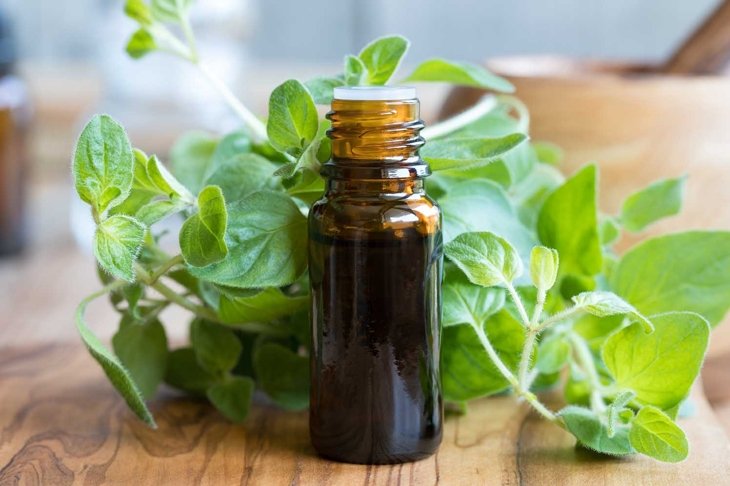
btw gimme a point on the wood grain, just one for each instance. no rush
(63, 424)
(707, 50)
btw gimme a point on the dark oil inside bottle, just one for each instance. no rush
(375, 256)
(376, 393)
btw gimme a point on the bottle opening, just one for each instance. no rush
(375, 93)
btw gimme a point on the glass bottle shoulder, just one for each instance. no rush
(343, 214)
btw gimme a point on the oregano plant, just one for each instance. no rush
(534, 295)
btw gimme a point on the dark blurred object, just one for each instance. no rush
(14, 121)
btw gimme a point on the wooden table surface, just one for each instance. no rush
(62, 423)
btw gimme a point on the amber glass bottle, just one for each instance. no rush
(375, 263)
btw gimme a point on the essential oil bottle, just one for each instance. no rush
(375, 263)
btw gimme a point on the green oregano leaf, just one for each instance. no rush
(186, 374)
(216, 348)
(354, 72)
(138, 10)
(466, 303)
(677, 272)
(468, 153)
(459, 73)
(659, 367)
(601, 303)
(544, 264)
(117, 242)
(202, 236)
(170, 10)
(263, 306)
(103, 163)
(485, 258)
(592, 432)
(141, 43)
(293, 119)
(466, 370)
(118, 375)
(232, 397)
(655, 435)
(658, 200)
(142, 348)
(382, 57)
(283, 375)
(553, 354)
(568, 222)
(266, 237)
(322, 88)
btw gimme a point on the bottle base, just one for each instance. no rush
(380, 458)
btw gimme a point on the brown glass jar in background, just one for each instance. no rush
(14, 119)
(375, 262)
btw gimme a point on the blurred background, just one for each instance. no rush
(71, 52)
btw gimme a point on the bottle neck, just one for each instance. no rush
(401, 187)
(375, 140)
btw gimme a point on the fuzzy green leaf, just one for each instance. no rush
(678, 272)
(481, 205)
(140, 44)
(103, 163)
(658, 200)
(568, 222)
(552, 354)
(170, 10)
(142, 349)
(185, 373)
(190, 157)
(232, 397)
(202, 236)
(592, 432)
(466, 303)
(266, 238)
(117, 242)
(283, 375)
(216, 348)
(459, 73)
(382, 57)
(138, 10)
(264, 306)
(601, 303)
(468, 153)
(293, 119)
(485, 258)
(244, 174)
(156, 211)
(544, 265)
(118, 375)
(467, 372)
(655, 435)
(355, 71)
(322, 88)
(659, 367)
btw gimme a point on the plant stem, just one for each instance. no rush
(585, 360)
(173, 296)
(188, 33)
(525, 359)
(518, 303)
(560, 316)
(254, 126)
(483, 107)
(165, 267)
(529, 397)
(539, 304)
(492, 353)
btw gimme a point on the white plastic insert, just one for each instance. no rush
(375, 93)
